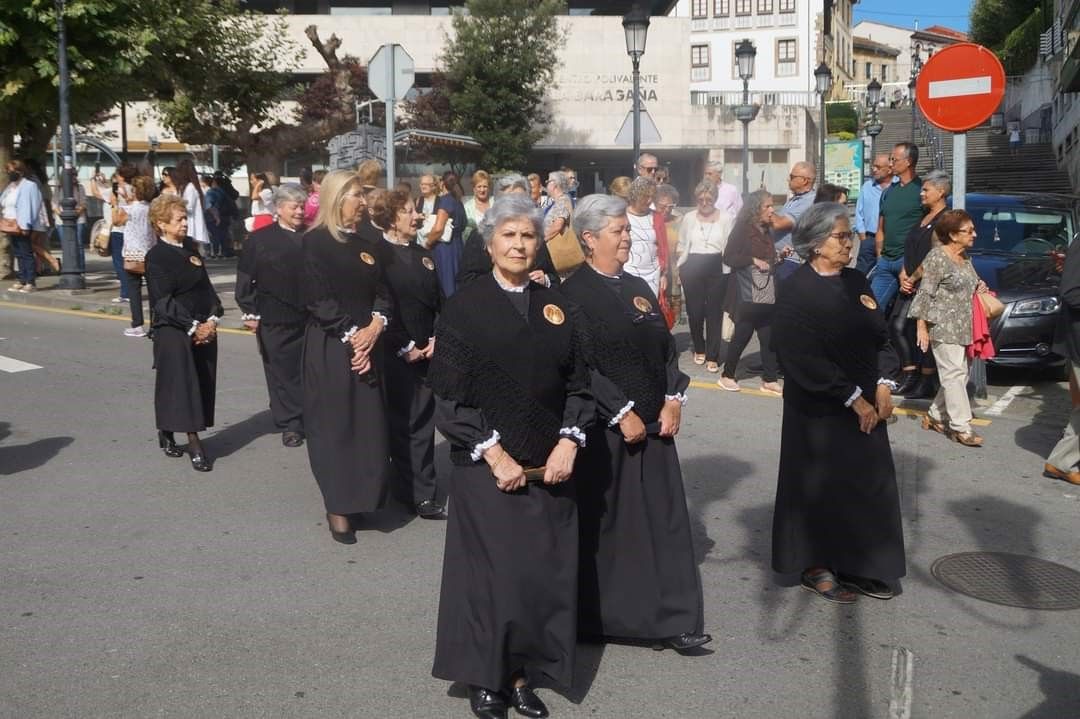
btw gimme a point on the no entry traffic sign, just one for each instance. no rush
(960, 87)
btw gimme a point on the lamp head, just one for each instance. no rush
(823, 78)
(636, 27)
(873, 92)
(744, 55)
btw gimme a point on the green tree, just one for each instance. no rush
(499, 65)
(1011, 29)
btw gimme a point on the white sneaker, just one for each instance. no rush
(16, 287)
(27, 289)
(118, 300)
(135, 332)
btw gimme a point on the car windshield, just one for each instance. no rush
(1021, 230)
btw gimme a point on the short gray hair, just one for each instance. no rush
(592, 214)
(706, 187)
(561, 180)
(814, 227)
(508, 207)
(939, 179)
(640, 187)
(510, 182)
(715, 166)
(668, 191)
(290, 192)
(643, 155)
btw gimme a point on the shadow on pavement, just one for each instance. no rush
(1044, 430)
(707, 480)
(1062, 690)
(239, 435)
(23, 457)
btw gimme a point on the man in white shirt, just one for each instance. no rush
(727, 195)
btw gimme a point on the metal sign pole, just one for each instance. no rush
(391, 179)
(959, 170)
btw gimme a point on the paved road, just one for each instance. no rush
(131, 586)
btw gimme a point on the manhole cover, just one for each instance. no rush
(1010, 579)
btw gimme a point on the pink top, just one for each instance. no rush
(728, 198)
(311, 208)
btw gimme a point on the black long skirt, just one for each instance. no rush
(638, 576)
(345, 425)
(410, 404)
(282, 348)
(186, 381)
(509, 584)
(837, 504)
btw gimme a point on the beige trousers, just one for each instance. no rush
(1066, 454)
(951, 402)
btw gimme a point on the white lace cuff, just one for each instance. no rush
(384, 318)
(854, 396)
(680, 397)
(406, 349)
(249, 316)
(621, 413)
(573, 433)
(215, 319)
(888, 383)
(348, 335)
(478, 450)
(194, 326)
(546, 281)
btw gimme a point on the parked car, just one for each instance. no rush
(1019, 250)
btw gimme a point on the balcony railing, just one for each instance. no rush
(734, 97)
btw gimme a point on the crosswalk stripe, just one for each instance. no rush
(7, 364)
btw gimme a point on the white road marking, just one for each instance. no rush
(7, 364)
(960, 87)
(1006, 399)
(903, 677)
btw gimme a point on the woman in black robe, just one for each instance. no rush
(837, 514)
(632, 502)
(349, 304)
(268, 292)
(184, 312)
(513, 400)
(409, 271)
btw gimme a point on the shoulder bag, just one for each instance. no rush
(756, 286)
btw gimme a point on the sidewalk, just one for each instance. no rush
(102, 287)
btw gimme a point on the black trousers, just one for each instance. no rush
(704, 284)
(410, 406)
(135, 285)
(282, 351)
(902, 333)
(752, 318)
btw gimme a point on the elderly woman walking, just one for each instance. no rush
(703, 236)
(837, 513)
(943, 307)
(558, 211)
(513, 400)
(633, 503)
(139, 237)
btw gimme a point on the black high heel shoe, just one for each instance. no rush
(348, 537)
(168, 444)
(200, 462)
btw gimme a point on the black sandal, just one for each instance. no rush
(837, 594)
(864, 585)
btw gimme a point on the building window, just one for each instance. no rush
(700, 9)
(869, 71)
(742, 7)
(787, 6)
(721, 8)
(699, 63)
(787, 64)
(884, 72)
(764, 7)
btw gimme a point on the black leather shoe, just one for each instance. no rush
(926, 388)
(487, 704)
(683, 642)
(526, 703)
(168, 444)
(292, 439)
(348, 537)
(908, 380)
(200, 462)
(430, 509)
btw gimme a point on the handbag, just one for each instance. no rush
(756, 286)
(565, 251)
(100, 239)
(135, 267)
(992, 306)
(119, 217)
(10, 227)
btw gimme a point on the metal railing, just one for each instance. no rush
(734, 97)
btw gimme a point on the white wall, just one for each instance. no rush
(897, 37)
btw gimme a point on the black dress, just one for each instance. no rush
(181, 297)
(507, 368)
(344, 418)
(638, 576)
(268, 290)
(409, 271)
(837, 504)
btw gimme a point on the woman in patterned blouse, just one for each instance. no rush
(942, 307)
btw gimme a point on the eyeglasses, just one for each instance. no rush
(799, 177)
(842, 235)
(649, 169)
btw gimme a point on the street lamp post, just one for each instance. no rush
(873, 129)
(71, 276)
(636, 26)
(745, 113)
(916, 68)
(823, 79)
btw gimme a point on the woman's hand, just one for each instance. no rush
(429, 351)
(413, 355)
(761, 264)
(509, 476)
(670, 417)
(363, 340)
(663, 285)
(632, 428)
(539, 277)
(868, 416)
(981, 288)
(252, 325)
(205, 333)
(560, 463)
(883, 402)
(360, 362)
(922, 335)
(907, 285)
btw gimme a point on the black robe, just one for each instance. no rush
(638, 576)
(181, 296)
(344, 417)
(837, 503)
(508, 363)
(268, 289)
(409, 271)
